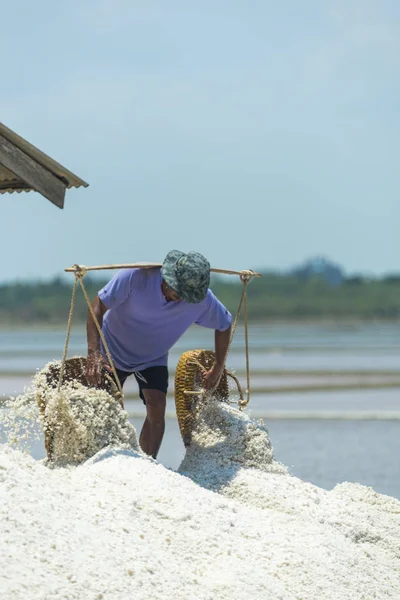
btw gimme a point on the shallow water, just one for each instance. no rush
(296, 347)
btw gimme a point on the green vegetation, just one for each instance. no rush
(41, 302)
(271, 297)
(288, 297)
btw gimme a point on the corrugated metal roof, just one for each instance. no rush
(11, 182)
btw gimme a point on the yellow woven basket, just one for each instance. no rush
(188, 378)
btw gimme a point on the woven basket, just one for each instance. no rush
(74, 370)
(188, 378)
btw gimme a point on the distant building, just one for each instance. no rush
(321, 267)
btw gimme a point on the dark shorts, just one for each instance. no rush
(153, 378)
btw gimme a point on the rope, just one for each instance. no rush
(71, 312)
(103, 339)
(245, 278)
(204, 393)
(239, 387)
(80, 271)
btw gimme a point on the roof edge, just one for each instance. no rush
(65, 175)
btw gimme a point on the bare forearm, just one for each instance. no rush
(95, 362)
(222, 339)
(212, 377)
(93, 336)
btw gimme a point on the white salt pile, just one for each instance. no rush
(20, 422)
(121, 526)
(77, 421)
(80, 421)
(225, 440)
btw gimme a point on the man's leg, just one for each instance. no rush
(154, 425)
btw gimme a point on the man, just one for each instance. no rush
(143, 312)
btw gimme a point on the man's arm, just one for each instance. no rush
(222, 339)
(95, 362)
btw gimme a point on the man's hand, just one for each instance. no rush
(211, 378)
(95, 364)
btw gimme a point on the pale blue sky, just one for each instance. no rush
(257, 132)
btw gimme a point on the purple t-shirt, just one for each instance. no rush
(140, 326)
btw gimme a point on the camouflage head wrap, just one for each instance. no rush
(187, 274)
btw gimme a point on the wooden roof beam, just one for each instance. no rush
(32, 173)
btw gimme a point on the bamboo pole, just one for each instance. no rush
(146, 265)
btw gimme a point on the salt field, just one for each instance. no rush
(303, 504)
(231, 522)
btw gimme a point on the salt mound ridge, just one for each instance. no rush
(226, 440)
(122, 526)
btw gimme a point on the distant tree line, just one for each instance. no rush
(289, 297)
(272, 296)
